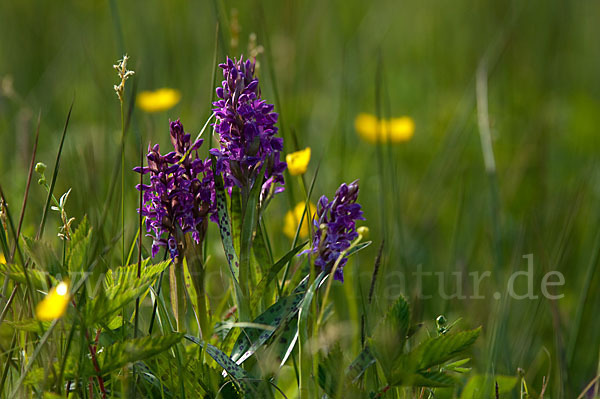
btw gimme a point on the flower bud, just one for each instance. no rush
(363, 231)
(440, 321)
(40, 167)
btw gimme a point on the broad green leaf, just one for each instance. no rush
(227, 241)
(329, 371)
(307, 385)
(390, 334)
(42, 255)
(236, 372)
(151, 384)
(189, 285)
(132, 350)
(432, 380)
(126, 274)
(272, 274)
(122, 287)
(362, 362)
(30, 325)
(305, 306)
(251, 339)
(484, 387)
(358, 247)
(225, 229)
(40, 280)
(81, 232)
(261, 250)
(230, 339)
(438, 350)
(236, 217)
(249, 215)
(283, 341)
(456, 366)
(80, 242)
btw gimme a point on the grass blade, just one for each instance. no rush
(54, 174)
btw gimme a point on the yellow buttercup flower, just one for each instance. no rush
(297, 162)
(158, 100)
(373, 130)
(54, 305)
(292, 219)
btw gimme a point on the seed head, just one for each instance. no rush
(124, 74)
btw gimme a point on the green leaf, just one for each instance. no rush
(432, 379)
(39, 280)
(42, 254)
(272, 274)
(283, 341)
(30, 325)
(390, 335)
(249, 212)
(80, 242)
(236, 372)
(329, 371)
(132, 350)
(438, 350)
(358, 247)
(277, 314)
(122, 287)
(484, 387)
(456, 366)
(225, 228)
(227, 240)
(4, 243)
(362, 362)
(305, 307)
(261, 253)
(189, 285)
(236, 217)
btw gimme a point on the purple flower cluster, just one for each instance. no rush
(247, 132)
(335, 224)
(180, 195)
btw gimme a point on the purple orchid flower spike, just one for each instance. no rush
(180, 196)
(247, 132)
(335, 225)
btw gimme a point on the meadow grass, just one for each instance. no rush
(499, 176)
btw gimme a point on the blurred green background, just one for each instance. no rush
(430, 199)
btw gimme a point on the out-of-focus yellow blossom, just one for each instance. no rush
(292, 219)
(2, 259)
(54, 305)
(158, 100)
(373, 130)
(297, 162)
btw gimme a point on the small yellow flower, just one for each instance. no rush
(373, 130)
(2, 259)
(292, 219)
(297, 162)
(54, 305)
(158, 100)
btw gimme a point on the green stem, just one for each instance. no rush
(202, 308)
(306, 384)
(122, 184)
(245, 247)
(178, 294)
(197, 272)
(330, 282)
